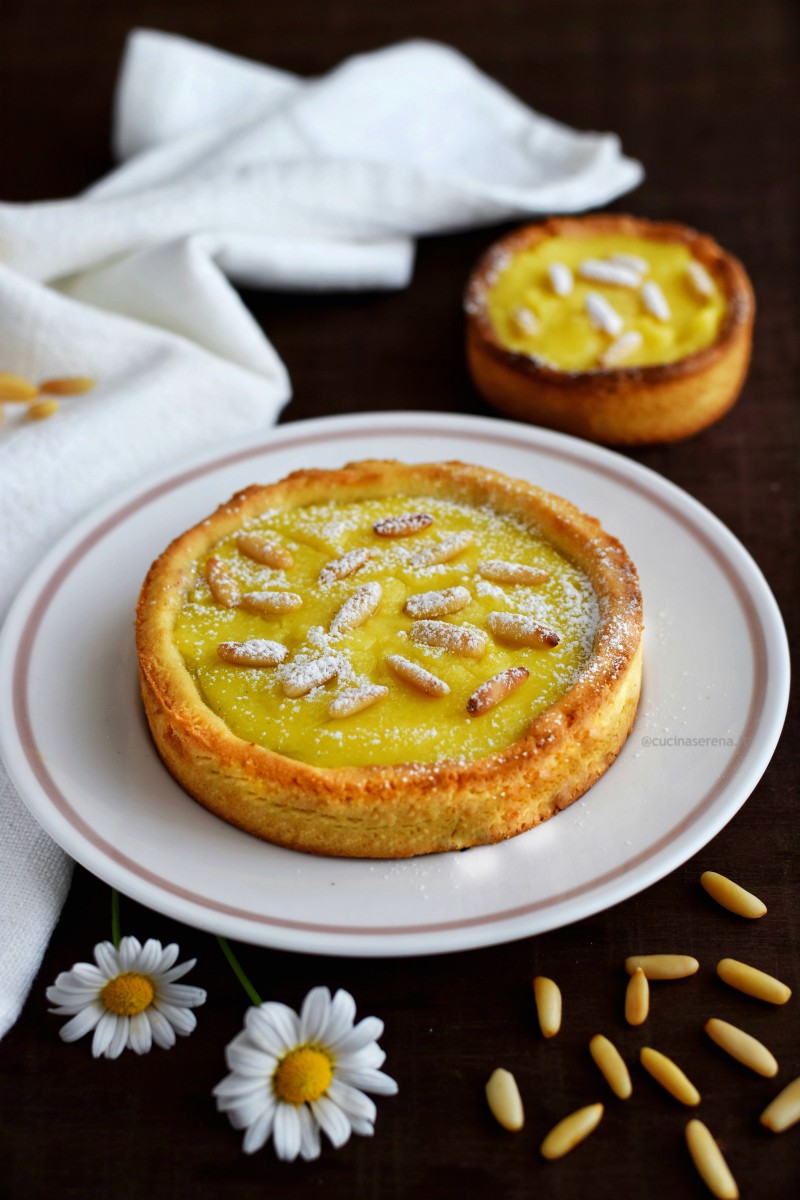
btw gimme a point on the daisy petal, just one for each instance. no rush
(370, 1081)
(286, 1132)
(259, 1131)
(367, 1056)
(362, 1126)
(332, 1120)
(150, 958)
(366, 1031)
(163, 1033)
(129, 950)
(233, 1087)
(82, 1023)
(273, 1026)
(107, 960)
(119, 1040)
(351, 1101)
(104, 1033)
(314, 1014)
(82, 975)
(169, 956)
(343, 1011)
(140, 1035)
(310, 1145)
(182, 994)
(181, 1019)
(249, 1110)
(249, 1060)
(167, 977)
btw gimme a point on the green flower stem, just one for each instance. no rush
(236, 967)
(115, 929)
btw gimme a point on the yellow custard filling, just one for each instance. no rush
(531, 317)
(405, 724)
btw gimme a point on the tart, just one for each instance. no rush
(614, 328)
(387, 660)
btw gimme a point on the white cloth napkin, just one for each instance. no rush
(230, 171)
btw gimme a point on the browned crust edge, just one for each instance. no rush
(406, 809)
(661, 402)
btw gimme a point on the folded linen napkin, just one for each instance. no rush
(230, 171)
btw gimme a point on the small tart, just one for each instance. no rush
(665, 363)
(289, 752)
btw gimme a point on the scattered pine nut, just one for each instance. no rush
(358, 608)
(784, 1111)
(442, 551)
(16, 389)
(42, 410)
(707, 1158)
(640, 265)
(655, 301)
(663, 966)
(304, 677)
(612, 1066)
(605, 270)
(669, 1075)
(603, 316)
(504, 1100)
(560, 278)
(548, 1005)
(223, 587)
(72, 385)
(417, 676)
(257, 652)
(637, 998)
(522, 630)
(270, 604)
(622, 349)
(741, 1046)
(437, 604)
(525, 321)
(567, 1134)
(495, 690)
(499, 571)
(265, 550)
(404, 525)
(456, 639)
(356, 699)
(348, 564)
(731, 896)
(752, 982)
(700, 281)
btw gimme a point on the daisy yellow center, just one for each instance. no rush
(303, 1075)
(128, 994)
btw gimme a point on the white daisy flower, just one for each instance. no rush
(130, 998)
(292, 1076)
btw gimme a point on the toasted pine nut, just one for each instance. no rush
(42, 410)
(525, 321)
(223, 587)
(356, 699)
(455, 639)
(498, 570)
(437, 604)
(404, 525)
(358, 608)
(566, 1135)
(443, 551)
(72, 385)
(752, 982)
(663, 966)
(707, 1158)
(731, 896)
(784, 1111)
(304, 677)
(348, 564)
(699, 280)
(258, 652)
(16, 389)
(271, 604)
(548, 1005)
(495, 690)
(417, 676)
(741, 1046)
(504, 1100)
(669, 1075)
(618, 352)
(612, 1065)
(637, 998)
(265, 550)
(522, 630)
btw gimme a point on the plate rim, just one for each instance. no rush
(750, 759)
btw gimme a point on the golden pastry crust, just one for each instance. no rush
(630, 406)
(396, 811)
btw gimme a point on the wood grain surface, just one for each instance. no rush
(704, 93)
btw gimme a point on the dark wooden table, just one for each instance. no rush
(705, 93)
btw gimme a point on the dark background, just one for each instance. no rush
(704, 93)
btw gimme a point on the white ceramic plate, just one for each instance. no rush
(76, 743)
